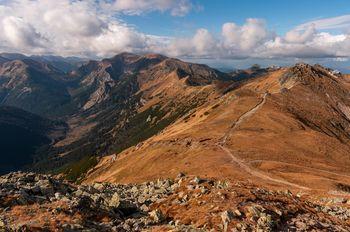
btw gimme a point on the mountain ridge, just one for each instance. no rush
(286, 120)
(155, 112)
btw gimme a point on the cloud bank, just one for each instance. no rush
(94, 29)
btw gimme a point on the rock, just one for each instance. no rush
(144, 208)
(180, 175)
(300, 225)
(204, 190)
(141, 199)
(278, 212)
(198, 180)
(134, 189)
(98, 186)
(2, 224)
(173, 187)
(265, 222)
(119, 207)
(237, 213)
(288, 193)
(226, 218)
(157, 216)
(58, 195)
(255, 211)
(114, 201)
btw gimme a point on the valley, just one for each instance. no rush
(113, 125)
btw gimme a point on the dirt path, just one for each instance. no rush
(238, 161)
(296, 165)
(258, 173)
(243, 117)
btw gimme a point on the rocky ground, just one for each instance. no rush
(32, 202)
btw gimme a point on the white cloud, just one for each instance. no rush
(340, 22)
(301, 36)
(20, 33)
(65, 27)
(244, 39)
(136, 7)
(202, 44)
(92, 28)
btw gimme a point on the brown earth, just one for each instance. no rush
(288, 127)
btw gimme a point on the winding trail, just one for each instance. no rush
(243, 117)
(256, 173)
(239, 161)
(296, 165)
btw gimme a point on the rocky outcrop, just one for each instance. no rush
(319, 97)
(30, 201)
(33, 202)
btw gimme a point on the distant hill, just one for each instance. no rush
(64, 64)
(128, 98)
(33, 86)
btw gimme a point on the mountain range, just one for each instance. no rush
(150, 116)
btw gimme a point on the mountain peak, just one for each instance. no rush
(125, 56)
(310, 75)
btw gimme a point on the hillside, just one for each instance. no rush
(286, 127)
(33, 86)
(21, 134)
(127, 99)
(160, 144)
(161, 116)
(64, 64)
(33, 202)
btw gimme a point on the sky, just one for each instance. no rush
(221, 33)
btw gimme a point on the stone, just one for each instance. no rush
(180, 175)
(157, 216)
(265, 221)
(58, 195)
(141, 199)
(144, 208)
(278, 212)
(204, 190)
(197, 180)
(114, 201)
(226, 218)
(98, 186)
(237, 213)
(134, 189)
(2, 224)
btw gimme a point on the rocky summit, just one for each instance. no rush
(34, 202)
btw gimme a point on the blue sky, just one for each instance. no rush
(224, 33)
(280, 15)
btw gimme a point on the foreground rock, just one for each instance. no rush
(32, 202)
